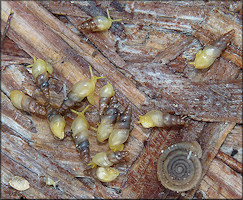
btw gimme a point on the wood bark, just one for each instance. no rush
(210, 100)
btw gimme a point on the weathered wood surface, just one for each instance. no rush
(139, 57)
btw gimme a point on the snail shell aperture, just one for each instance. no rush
(179, 168)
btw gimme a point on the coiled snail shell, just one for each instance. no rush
(156, 118)
(80, 134)
(107, 159)
(121, 130)
(106, 92)
(108, 121)
(206, 57)
(26, 103)
(79, 91)
(98, 23)
(179, 168)
(41, 71)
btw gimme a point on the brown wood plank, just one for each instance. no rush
(223, 180)
(210, 99)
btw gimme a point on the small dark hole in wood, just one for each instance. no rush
(234, 152)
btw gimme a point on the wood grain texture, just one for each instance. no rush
(210, 100)
(222, 182)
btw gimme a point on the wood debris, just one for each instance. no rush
(19, 183)
(169, 32)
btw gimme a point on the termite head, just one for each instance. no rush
(40, 67)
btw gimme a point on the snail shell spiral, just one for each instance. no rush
(179, 168)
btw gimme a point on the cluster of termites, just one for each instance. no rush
(113, 127)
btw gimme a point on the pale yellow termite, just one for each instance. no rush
(206, 57)
(80, 134)
(107, 159)
(121, 130)
(26, 103)
(156, 118)
(98, 23)
(79, 91)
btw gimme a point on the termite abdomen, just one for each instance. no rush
(156, 118)
(80, 134)
(108, 121)
(26, 103)
(121, 130)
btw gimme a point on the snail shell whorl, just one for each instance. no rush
(108, 121)
(156, 118)
(107, 159)
(106, 92)
(121, 130)
(224, 40)
(206, 57)
(179, 168)
(172, 120)
(41, 71)
(87, 25)
(115, 157)
(26, 103)
(42, 83)
(98, 23)
(80, 134)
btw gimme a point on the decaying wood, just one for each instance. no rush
(215, 24)
(221, 182)
(232, 145)
(174, 51)
(167, 89)
(6, 28)
(231, 162)
(210, 100)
